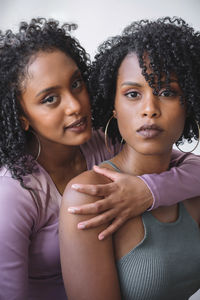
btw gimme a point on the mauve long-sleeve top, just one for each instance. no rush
(29, 246)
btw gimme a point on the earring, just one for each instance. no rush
(106, 134)
(39, 145)
(197, 141)
(115, 116)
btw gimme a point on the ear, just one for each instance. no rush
(24, 122)
(114, 114)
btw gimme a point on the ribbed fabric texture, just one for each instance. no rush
(166, 263)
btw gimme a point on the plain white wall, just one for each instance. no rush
(100, 19)
(97, 19)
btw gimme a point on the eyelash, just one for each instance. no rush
(80, 81)
(46, 99)
(128, 94)
(171, 93)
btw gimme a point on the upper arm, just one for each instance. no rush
(15, 228)
(88, 265)
(181, 182)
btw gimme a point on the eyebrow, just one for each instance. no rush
(47, 90)
(131, 83)
(52, 88)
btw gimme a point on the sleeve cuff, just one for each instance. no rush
(150, 184)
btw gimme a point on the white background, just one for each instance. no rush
(98, 20)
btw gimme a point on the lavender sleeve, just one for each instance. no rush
(181, 182)
(17, 214)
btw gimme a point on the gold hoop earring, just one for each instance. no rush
(39, 145)
(106, 134)
(197, 141)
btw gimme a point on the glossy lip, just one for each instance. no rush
(149, 131)
(78, 126)
(74, 124)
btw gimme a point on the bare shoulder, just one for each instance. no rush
(72, 197)
(89, 177)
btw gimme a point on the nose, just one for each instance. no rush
(151, 107)
(72, 105)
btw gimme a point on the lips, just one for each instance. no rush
(149, 131)
(77, 123)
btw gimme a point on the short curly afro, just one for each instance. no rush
(172, 47)
(16, 50)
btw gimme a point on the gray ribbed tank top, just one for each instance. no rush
(165, 265)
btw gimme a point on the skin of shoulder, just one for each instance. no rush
(73, 198)
(80, 262)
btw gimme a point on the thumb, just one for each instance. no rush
(113, 175)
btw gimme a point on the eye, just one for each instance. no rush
(78, 83)
(168, 93)
(50, 99)
(132, 94)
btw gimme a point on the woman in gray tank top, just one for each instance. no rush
(146, 93)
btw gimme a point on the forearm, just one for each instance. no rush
(179, 183)
(129, 196)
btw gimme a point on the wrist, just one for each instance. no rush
(148, 196)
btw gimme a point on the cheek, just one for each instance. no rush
(127, 122)
(86, 101)
(48, 120)
(177, 125)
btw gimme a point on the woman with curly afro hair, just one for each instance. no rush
(145, 88)
(45, 127)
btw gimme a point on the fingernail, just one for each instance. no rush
(81, 226)
(72, 210)
(101, 237)
(75, 186)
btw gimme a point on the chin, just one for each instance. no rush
(84, 138)
(152, 150)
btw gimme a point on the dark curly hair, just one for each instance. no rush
(16, 50)
(172, 47)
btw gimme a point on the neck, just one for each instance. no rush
(59, 158)
(131, 162)
(61, 162)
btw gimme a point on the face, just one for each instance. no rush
(149, 124)
(55, 100)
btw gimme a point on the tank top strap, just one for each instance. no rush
(112, 165)
(184, 219)
(187, 216)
